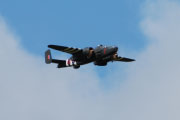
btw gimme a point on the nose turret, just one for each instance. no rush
(115, 48)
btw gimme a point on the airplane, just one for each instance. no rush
(100, 55)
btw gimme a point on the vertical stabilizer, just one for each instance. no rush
(48, 57)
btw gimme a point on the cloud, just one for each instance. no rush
(31, 90)
(154, 79)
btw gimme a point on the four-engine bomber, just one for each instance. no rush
(100, 55)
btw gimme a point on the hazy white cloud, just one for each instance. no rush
(31, 90)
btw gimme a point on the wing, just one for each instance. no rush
(69, 50)
(123, 59)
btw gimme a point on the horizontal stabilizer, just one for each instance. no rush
(61, 63)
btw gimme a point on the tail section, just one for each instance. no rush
(61, 63)
(48, 57)
(66, 63)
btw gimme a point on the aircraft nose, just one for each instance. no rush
(116, 48)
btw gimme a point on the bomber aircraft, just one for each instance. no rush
(100, 55)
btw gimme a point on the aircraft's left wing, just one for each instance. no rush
(69, 50)
(123, 59)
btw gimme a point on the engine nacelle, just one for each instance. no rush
(100, 63)
(88, 51)
(99, 52)
(110, 58)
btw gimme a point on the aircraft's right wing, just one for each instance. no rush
(123, 59)
(69, 50)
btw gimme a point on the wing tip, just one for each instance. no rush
(50, 46)
(132, 60)
(124, 59)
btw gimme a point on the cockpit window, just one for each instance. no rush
(100, 45)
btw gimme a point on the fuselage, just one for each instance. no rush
(100, 55)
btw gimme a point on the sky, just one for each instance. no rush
(77, 24)
(74, 23)
(147, 30)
